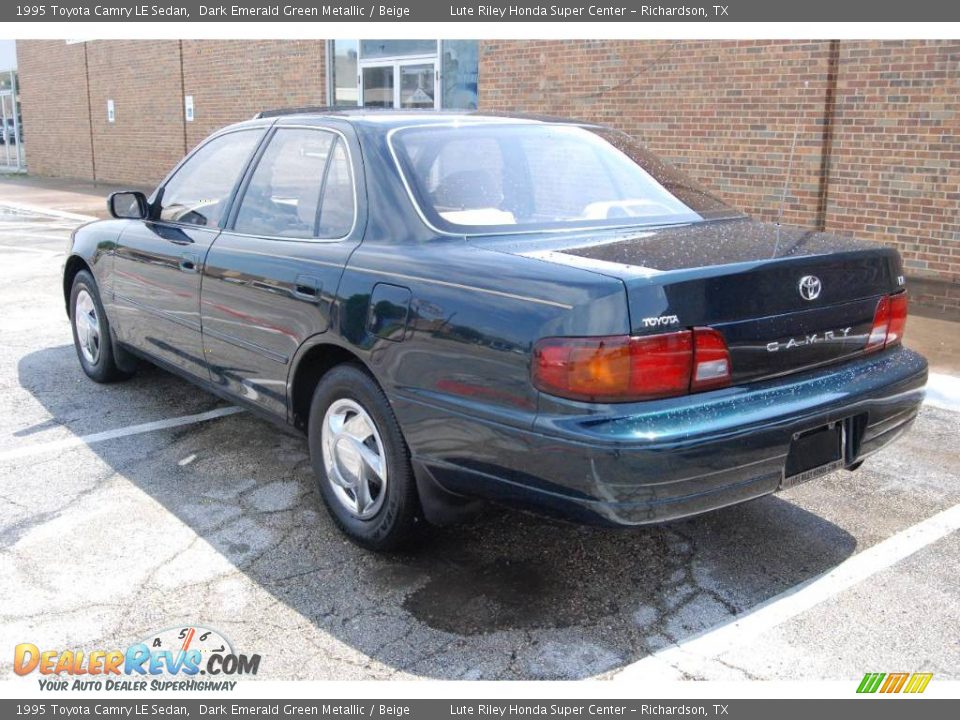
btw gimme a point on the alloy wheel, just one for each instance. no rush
(354, 458)
(87, 322)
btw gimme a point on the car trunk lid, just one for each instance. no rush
(784, 299)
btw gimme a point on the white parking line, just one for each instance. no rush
(21, 207)
(943, 391)
(57, 445)
(41, 251)
(706, 646)
(23, 228)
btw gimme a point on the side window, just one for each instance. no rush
(337, 207)
(302, 188)
(198, 193)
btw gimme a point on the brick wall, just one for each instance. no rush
(53, 102)
(877, 125)
(232, 80)
(723, 111)
(142, 77)
(878, 148)
(895, 162)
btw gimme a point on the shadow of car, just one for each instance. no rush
(510, 596)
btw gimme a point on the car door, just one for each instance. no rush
(158, 261)
(270, 278)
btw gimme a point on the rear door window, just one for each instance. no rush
(302, 188)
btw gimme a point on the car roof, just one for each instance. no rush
(391, 118)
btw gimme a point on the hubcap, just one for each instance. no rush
(354, 458)
(87, 322)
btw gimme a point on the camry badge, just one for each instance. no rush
(810, 287)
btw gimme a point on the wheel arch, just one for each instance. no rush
(74, 265)
(312, 362)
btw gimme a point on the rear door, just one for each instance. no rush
(159, 261)
(270, 278)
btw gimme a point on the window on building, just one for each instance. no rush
(403, 73)
(344, 81)
(460, 69)
(370, 49)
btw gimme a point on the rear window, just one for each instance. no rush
(501, 178)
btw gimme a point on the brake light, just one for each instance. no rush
(898, 318)
(889, 322)
(620, 368)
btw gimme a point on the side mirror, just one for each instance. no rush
(127, 205)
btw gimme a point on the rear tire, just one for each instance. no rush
(361, 461)
(91, 331)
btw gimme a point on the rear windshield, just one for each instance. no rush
(503, 178)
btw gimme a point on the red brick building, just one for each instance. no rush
(877, 122)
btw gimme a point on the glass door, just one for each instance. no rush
(418, 86)
(399, 84)
(378, 86)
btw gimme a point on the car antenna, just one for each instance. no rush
(786, 179)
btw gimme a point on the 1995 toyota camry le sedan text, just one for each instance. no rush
(457, 307)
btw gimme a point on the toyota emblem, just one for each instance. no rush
(810, 287)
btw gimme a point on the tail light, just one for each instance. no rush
(620, 368)
(898, 318)
(889, 322)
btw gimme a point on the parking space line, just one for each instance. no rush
(943, 391)
(27, 227)
(712, 643)
(41, 251)
(57, 445)
(22, 207)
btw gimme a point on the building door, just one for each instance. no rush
(407, 83)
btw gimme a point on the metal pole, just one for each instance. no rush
(3, 128)
(21, 161)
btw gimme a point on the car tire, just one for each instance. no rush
(361, 461)
(91, 331)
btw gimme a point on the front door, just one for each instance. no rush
(159, 261)
(407, 84)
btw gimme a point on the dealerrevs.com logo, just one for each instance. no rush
(182, 658)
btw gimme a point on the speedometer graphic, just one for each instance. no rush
(183, 639)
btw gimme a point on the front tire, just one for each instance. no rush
(91, 331)
(361, 462)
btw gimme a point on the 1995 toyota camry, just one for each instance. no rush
(457, 307)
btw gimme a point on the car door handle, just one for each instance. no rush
(189, 262)
(307, 287)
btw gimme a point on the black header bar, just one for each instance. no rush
(467, 11)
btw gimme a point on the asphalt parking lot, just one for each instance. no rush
(133, 507)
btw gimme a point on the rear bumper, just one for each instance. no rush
(657, 461)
